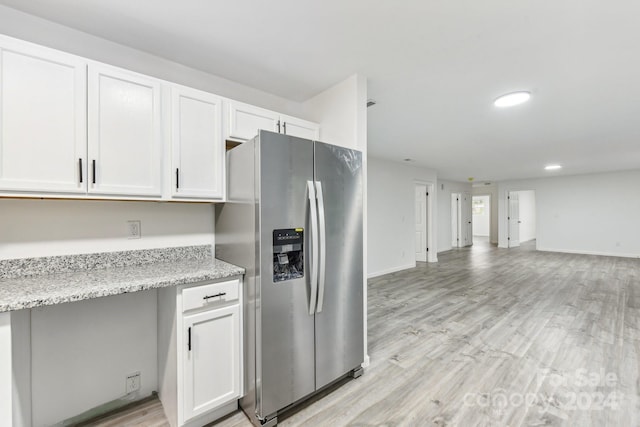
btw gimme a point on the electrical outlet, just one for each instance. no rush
(134, 229)
(132, 383)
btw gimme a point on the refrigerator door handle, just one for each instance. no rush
(323, 245)
(313, 214)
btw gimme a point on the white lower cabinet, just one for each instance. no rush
(211, 360)
(200, 351)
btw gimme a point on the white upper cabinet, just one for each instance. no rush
(245, 120)
(300, 128)
(42, 119)
(196, 143)
(125, 140)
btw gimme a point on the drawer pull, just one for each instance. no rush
(221, 294)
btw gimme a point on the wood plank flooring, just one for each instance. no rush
(495, 337)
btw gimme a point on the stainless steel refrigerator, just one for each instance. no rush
(293, 220)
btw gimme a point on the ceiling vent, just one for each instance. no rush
(371, 102)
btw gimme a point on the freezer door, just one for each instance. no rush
(339, 318)
(285, 329)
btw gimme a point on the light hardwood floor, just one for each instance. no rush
(495, 337)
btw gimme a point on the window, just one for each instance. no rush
(478, 207)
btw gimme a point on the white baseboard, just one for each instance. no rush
(599, 253)
(391, 270)
(366, 362)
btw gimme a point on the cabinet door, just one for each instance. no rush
(300, 128)
(125, 145)
(43, 139)
(245, 120)
(198, 152)
(211, 360)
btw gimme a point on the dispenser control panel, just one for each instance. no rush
(288, 254)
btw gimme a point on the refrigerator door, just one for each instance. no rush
(285, 357)
(339, 317)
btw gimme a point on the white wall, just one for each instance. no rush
(445, 188)
(31, 28)
(594, 214)
(391, 208)
(527, 211)
(341, 110)
(35, 228)
(482, 222)
(83, 351)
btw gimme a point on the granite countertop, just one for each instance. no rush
(36, 282)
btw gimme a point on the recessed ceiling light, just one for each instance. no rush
(511, 99)
(552, 167)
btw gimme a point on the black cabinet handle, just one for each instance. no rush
(177, 178)
(189, 338)
(278, 126)
(221, 294)
(93, 169)
(284, 126)
(80, 169)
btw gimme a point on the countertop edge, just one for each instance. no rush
(136, 285)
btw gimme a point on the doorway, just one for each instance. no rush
(481, 219)
(423, 222)
(521, 218)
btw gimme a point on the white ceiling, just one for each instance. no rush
(434, 67)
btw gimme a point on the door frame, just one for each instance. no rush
(432, 253)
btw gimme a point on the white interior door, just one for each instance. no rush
(421, 222)
(455, 220)
(465, 220)
(514, 219)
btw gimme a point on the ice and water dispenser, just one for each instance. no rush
(288, 254)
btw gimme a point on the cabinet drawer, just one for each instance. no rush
(209, 295)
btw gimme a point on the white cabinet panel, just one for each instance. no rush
(245, 120)
(42, 119)
(207, 296)
(211, 360)
(198, 152)
(125, 145)
(300, 128)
